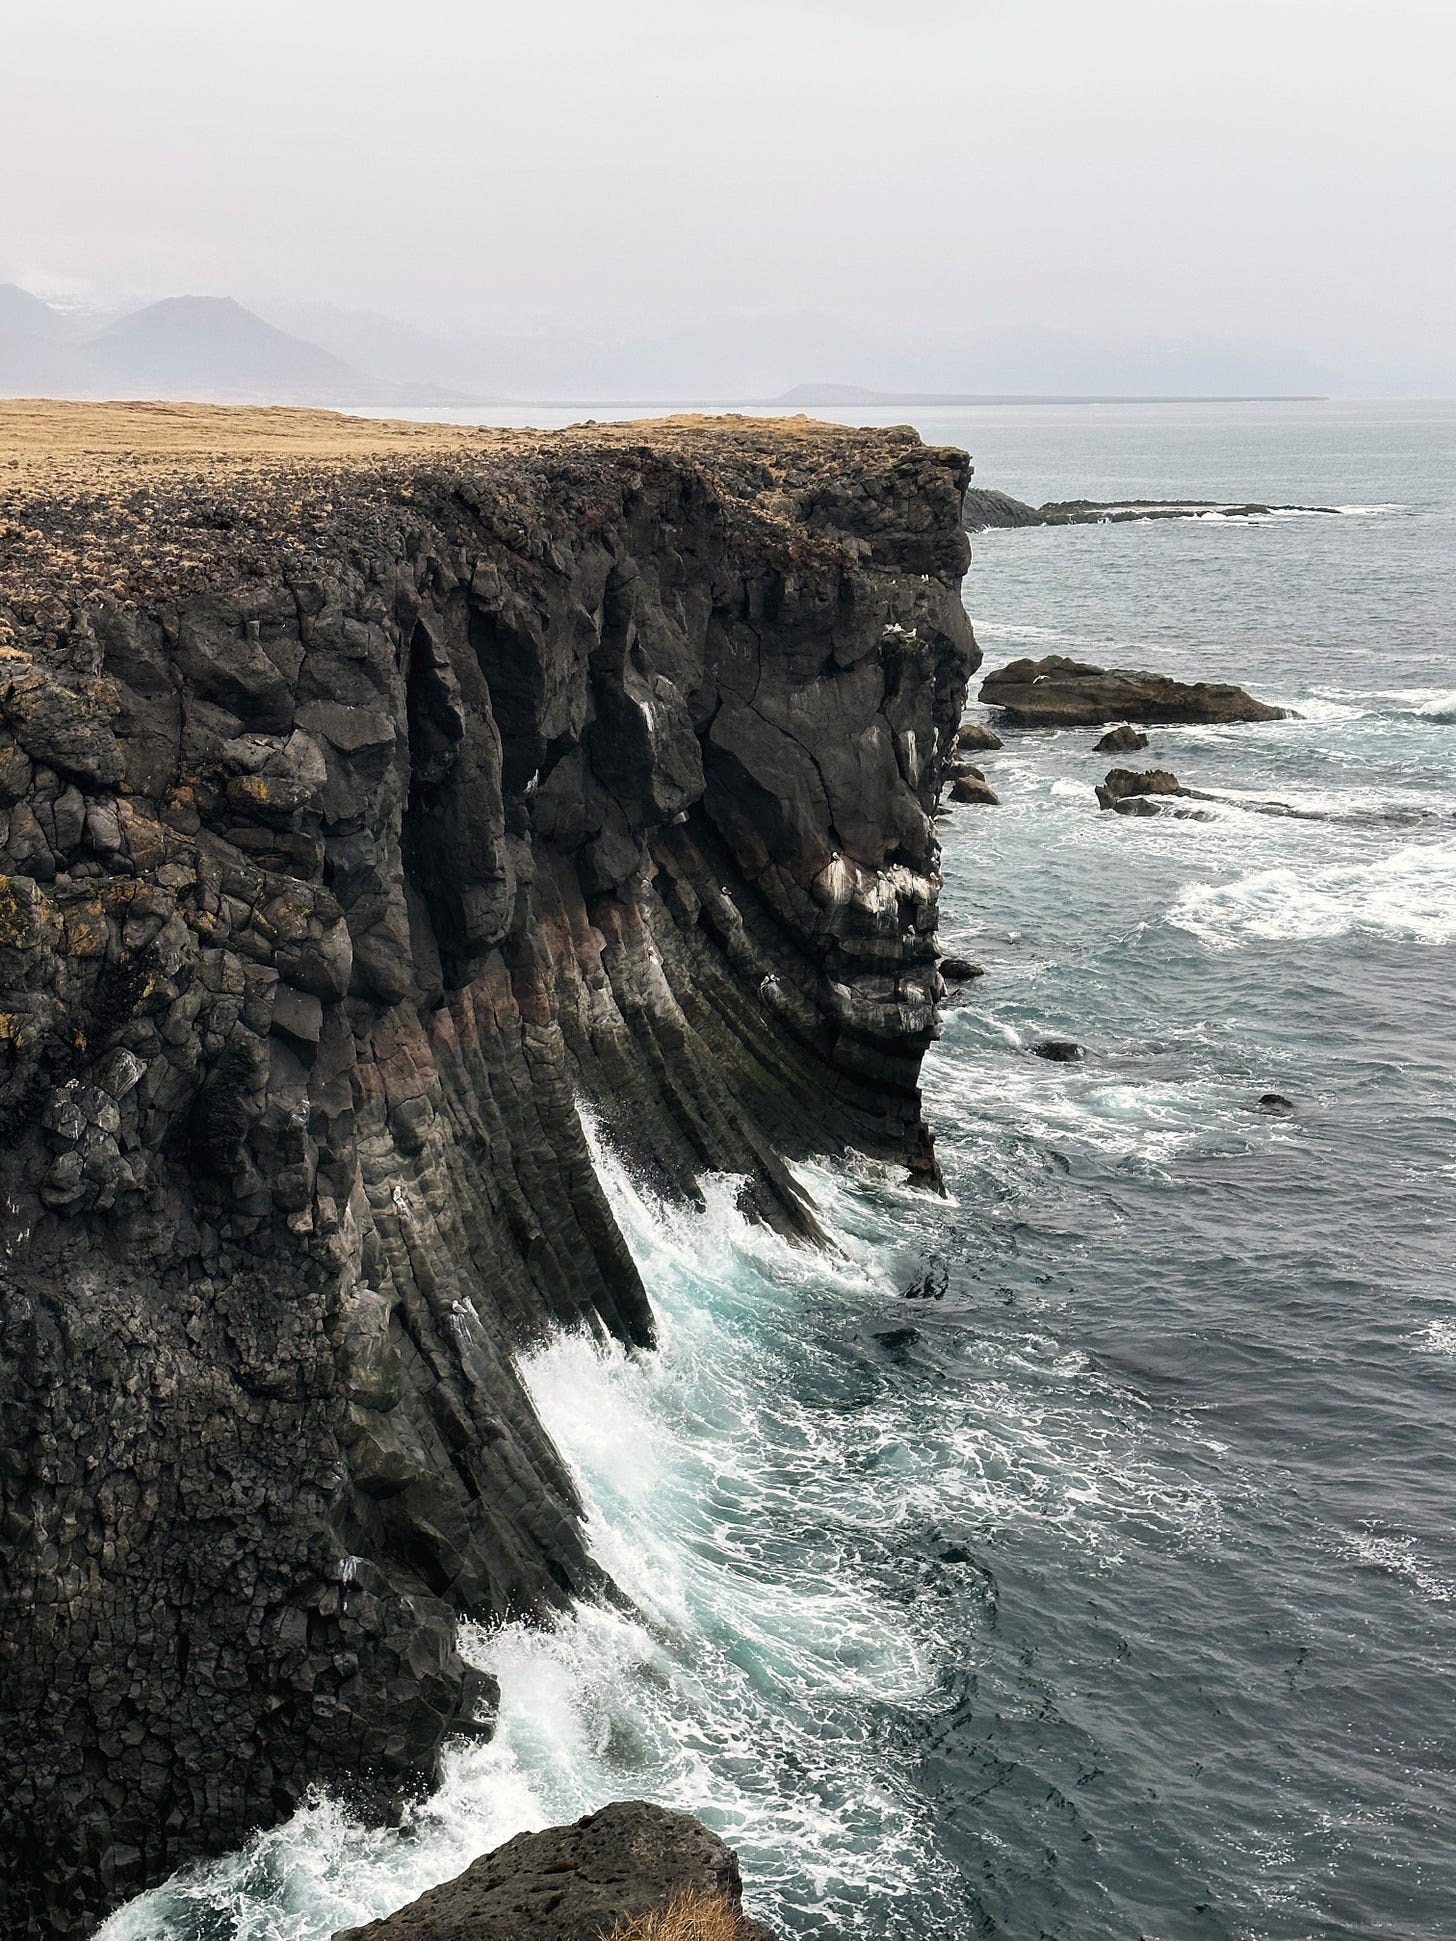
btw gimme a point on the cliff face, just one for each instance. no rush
(375, 798)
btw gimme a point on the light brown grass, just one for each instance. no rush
(144, 505)
(691, 1917)
(59, 431)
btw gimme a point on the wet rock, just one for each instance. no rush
(1124, 739)
(1274, 1105)
(573, 1883)
(1059, 693)
(973, 788)
(1128, 789)
(974, 737)
(987, 510)
(1058, 1051)
(959, 970)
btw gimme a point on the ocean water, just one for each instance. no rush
(1071, 1557)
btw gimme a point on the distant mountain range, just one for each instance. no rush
(184, 347)
(213, 348)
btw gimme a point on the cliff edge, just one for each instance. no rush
(376, 799)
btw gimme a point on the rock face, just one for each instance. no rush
(573, 1883)
(1061, 693)
(377, 799)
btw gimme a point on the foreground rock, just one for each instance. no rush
(986, 511)
(973, 787)
(1123, 740)
(374, 797)
(1061, 693)
(575, 1883)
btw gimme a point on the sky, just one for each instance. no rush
(1271, 170)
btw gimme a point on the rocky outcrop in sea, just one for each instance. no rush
(988, 511)
(1056, 692)
(383, 807)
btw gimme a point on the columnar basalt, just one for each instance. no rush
(376, 801)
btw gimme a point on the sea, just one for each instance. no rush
(1070, 1558)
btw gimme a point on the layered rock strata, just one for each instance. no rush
(381, 803)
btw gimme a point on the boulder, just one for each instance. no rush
(1125, 787)
(1058, 1051)
(1061, 693)
(959, 970)
(974, 737)
(1274, 1105)
(1121, 740)
(574, 1883)
(973, 788)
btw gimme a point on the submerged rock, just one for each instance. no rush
(1058, 1051)
(1122, 740)
(575, 1883)
(1274, 1105)
(896, 1340)
(1059, 693)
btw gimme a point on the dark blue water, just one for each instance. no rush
(1112, 1593)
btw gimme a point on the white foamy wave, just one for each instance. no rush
(1418, 703)
(756, 1527)
(1399, 1557)
(1064, 1105)
(1410, 893)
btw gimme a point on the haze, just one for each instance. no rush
(921, 194)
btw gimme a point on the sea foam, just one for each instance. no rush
(1409, 894)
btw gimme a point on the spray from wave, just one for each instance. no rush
(774, 1499)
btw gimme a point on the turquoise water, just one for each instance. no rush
(1112, 1593)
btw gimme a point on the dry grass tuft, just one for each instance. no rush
(691, 1917)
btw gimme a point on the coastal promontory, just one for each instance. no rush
(390, 813)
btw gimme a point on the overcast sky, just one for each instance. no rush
(1280, 169)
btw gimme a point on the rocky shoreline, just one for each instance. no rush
(377, 798)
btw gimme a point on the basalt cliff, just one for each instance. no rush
(381, 805)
